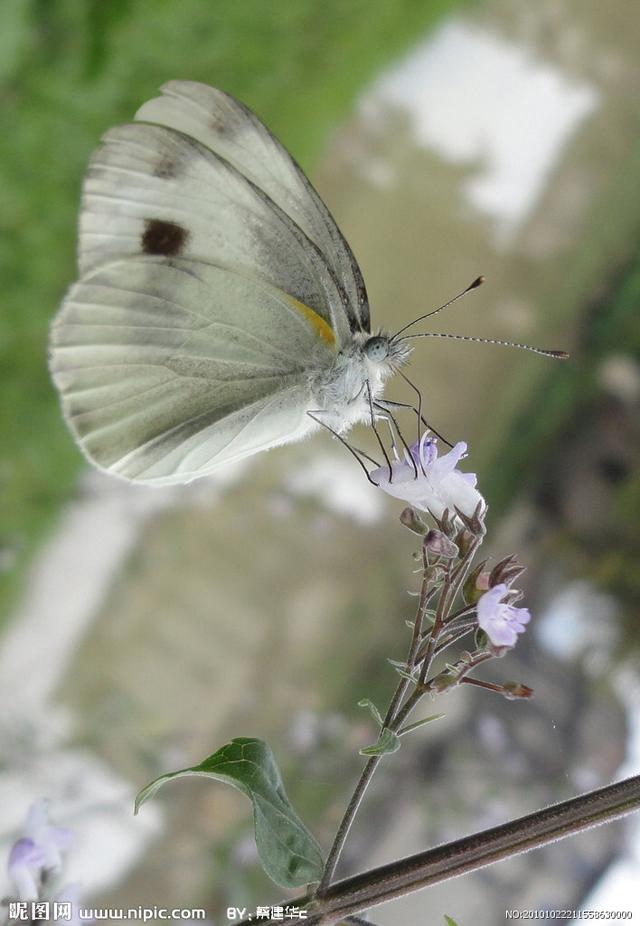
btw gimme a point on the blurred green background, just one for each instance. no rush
(143, 628)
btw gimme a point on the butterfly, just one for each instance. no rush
(219, 311)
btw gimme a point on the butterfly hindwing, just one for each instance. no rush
(169, 367)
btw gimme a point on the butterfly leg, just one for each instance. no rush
(391, 418)
(418, 411)
(422, 419)
(367, 388)
(354, 451)
(392, 438)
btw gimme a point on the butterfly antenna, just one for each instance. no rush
(556, 354)
(477, 282)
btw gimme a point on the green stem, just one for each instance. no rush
(368, 771)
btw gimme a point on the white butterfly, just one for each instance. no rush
(219, 310)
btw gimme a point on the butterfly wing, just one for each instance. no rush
(153, 191)
(224, 125)
(168, 367)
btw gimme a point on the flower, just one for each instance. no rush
(26, 862)
(36, 852)
(437, 486)
(501, 621)
(51, 839)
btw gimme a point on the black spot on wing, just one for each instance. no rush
(167, 168)
(165, 238)
(221, 126)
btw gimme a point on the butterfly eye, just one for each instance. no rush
(377, 349)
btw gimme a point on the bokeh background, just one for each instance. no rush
(141, 629)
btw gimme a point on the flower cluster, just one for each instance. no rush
(434, 484)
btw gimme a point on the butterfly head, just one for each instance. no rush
(382, 349)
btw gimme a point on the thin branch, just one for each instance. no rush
(379, 885)
(473, 852)
(452, 586)
(368, 771)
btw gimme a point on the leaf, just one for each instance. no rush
(288, 852)
(386, 743)
(419, 723)
(373, 710)
(397, 664)
(401, 669)
(409, 677)
(449, 921)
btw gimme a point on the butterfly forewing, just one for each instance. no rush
(226, 126)
(202, 209)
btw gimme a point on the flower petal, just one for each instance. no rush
(26, 862)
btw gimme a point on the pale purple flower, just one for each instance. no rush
(36, 852)
(500, 621)
(26, 862)
(51, 839)
(438, 485)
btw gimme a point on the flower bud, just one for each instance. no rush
(447, 524)
(515, 690)
(506, 571)
(413, 522)
(464, 540)
(470, 590)
(475, 522)
(438, 544)
(482, 582)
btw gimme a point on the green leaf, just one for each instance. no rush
(373, 710)
(397, 663)
(449, 921)
(401, 669)
(419, 723)
(387, 742)
(288, 852)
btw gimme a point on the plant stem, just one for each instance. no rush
(368, 771)
(450, 589)
(345, 824)
(397, 714)
(379, 885)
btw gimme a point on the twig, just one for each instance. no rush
(372, 764)
(379, 885)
